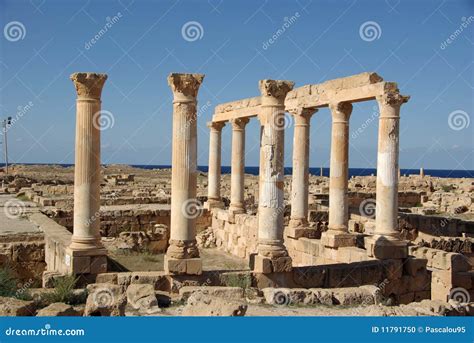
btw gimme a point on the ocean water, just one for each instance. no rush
(314, 170)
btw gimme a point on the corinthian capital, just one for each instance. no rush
(186, 85)
(89, 85)
(277, 89)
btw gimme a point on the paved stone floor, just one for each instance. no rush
(12, 220)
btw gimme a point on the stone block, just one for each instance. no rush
(281, 264)
(338, 240)
(98, 264)
(262, 264)
(194, 266)
(174, 266)
(386, 249)
(81, 264)
(412, 266)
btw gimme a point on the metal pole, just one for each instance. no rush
(5, 145)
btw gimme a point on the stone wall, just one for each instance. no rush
(25, 254)
(451, 273)
(237, 237)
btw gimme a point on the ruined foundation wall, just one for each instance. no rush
(25, 255)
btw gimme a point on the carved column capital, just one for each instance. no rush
(239, 123)
(276, 90)
(89, 85)
(185, 86)
(340, 111)
(216, 125)
(392, 99)
(302, 115)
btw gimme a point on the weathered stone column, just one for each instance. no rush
(86, 253)
(299, 186)
(214, 172)
(337, 234)
(238, 166)
(182, 256)
(385, 243)
(272, 255)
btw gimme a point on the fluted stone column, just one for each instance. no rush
(238, 166)
(272, 255)
(385, 242)
(337, 234)
(214, 172)
(86, 253)
(298, 226)
(182, 256)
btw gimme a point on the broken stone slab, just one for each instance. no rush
(142, 298)
(12, 307)
(58, 309)
(200, 304)
(105, 300)
(364, 295)
(233, 293)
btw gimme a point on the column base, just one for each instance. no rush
(212, 203)
(335, 239)
(382, 248)
(181, 266)
(92, 261)
(300, 231)
(233, 209)
(267, 265)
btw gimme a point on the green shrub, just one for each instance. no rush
(63, 290)
(8, 282)
(237, 280)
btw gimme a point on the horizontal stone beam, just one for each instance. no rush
(356, 88)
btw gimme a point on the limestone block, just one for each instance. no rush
(14, 307)
(412, 266)
(105, 300)
(233, 293)
(58, 309)
(200, 304)
(142, 297)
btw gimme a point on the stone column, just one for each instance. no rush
(182, 256)
(298, 225)
(385, 243)
(86, 254)
(214, 172)
(238, 166)
(272, 255)
(337, 234)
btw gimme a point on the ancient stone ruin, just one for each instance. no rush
(299, 238)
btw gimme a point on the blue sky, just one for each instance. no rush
(146, 43)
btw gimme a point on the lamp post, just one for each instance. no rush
(5, 123)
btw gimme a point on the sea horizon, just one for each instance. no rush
(253, 170)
